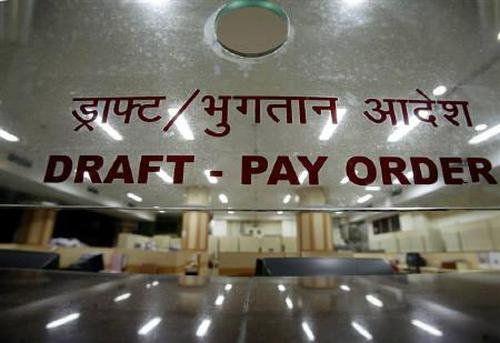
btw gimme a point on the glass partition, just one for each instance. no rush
(361, 104)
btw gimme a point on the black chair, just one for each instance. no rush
(28, 259)
(311, 266)
(91, 262)
(414, 261)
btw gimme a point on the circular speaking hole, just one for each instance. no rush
(251, 28)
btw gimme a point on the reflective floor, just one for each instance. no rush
(38, 306)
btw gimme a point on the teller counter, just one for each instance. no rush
(54, 306)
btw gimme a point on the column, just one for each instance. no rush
(194, 236)
(314, 228)
(37, 226)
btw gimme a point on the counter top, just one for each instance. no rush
(54, 306)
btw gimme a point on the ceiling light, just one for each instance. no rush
(63, 320)
(134, 197)
(228, 287)
(281, 287)
(287, 198)
(164, 176)
(182, 125)
(307, 330)
(162, 211)
(439, 90)
(330, 127)
(146, 328)
(223, 198)
(353, 2)
(426, 327)
(374, 300)
(345, 288)
(344, 180)
(402, 130)
(210, 178)
(110, 131)
(362, 331)
(481, 127)
(372, 188)
(122, 297)
(296, 198)
(498, 36)
(155, 283)
(219, 300)
(8, 136)
(339, 212)
(203, 327)
(289, 303)
(302, 176)
(230, 212)
(364, 198)
(279, 212)
(495, 130)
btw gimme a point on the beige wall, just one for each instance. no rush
(434, 232)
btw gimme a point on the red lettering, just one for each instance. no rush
(418, 177)
(313, 168)
(288, 173)
(180, 161)
(248, 169)
(120, 169)
(449, 170)
(392, 165)
(145, 168)
(480, 166)
(371, 171)
(50, 173)
(92, 169)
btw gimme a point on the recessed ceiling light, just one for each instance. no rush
(364, 198)
(219, 300)
(8, 136)
(110, 131)
(403, 130)
(134, 197)
(150, 325)
(203, 327)
(230, 212)
(307, 330)
(181, 125)
(485, 135)
(329, 127)
(287, 198)
(427, 327)
(223, 198)
(439, 90)
(63, 320)
(164, 176)
(372, 188)
(344, 180)
(374, 300)
(279, 212)
(481, 127)
(210, 178)
(302, 176)
(362, 331)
